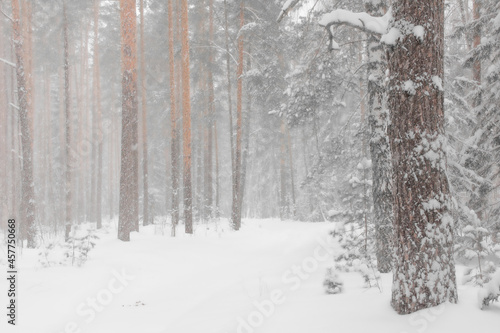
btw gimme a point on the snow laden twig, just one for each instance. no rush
(362, 21)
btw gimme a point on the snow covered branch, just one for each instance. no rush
(362, 21)
(287, 7)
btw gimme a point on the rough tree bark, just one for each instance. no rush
(129, 203)
(424, 269)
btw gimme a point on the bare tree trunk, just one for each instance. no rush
(217, 180)
(292, 172)
(424, 272)
(97, 94)
(284, 204)
(211, 117)
(174, 117)
(229, 92)
(67, 113)
(145, 181)
(27, 226)
(378, 118)
(236, 211)
(129, 203)
(246, 149)
(186, 119)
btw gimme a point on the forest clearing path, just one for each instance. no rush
(266, 278)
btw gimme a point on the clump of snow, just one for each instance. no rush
(409, 87)
(419, 32)
(392, 37)
(437, 82)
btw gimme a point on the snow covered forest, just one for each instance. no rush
(250, 166)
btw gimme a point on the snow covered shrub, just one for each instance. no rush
(332, 282)
(79, 245)
(73, 252)
(491, 292)
(476, 245)
(357, 253)
(51, 255)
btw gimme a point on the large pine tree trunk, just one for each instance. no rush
(378, 117)
(424, 272)
(186, 119)
(129, 203)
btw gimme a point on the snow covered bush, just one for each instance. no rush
(477, 247)
(332, 282)
(491, 292)
(73, 252)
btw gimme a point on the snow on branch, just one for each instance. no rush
(287, 7)
(362, 21)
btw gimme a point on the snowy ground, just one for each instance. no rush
(267, 278)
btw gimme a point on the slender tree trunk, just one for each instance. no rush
(145, 181)
(236, 211)
(27, 226)
(246, 149)
(229, 92)
(217, 180)
(129, 203)
(284, 204)
(292, 172)
(186, 118)
(378, 118)
(67, 113)
(424, 272)
(97, 87)
(211, 117)
(174, 117)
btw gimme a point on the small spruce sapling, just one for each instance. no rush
(332, 283)
(476, 246)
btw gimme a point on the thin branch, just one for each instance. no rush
(7, 16)
(286, 9)
(8, 62)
